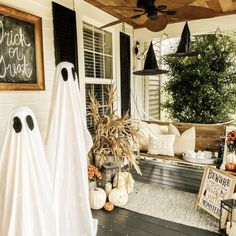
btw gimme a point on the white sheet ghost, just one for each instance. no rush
(25, 181)
(68, 142)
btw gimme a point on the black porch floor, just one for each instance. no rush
(125, 222)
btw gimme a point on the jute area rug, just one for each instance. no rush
(169, 204)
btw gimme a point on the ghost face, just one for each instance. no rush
(22, 122)
(68, 71)
(17, 124)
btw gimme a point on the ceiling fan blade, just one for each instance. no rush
(156, 25)
(173, 4)
(169, 12)
(115, 22)
(120, 7)
(122, 20)
(161, 7)
(137, 16)
(194, 12)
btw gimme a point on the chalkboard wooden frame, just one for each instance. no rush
(22, 17)
(224, 185)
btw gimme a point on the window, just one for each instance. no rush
(98, 62)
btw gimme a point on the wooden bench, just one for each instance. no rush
(174, 171)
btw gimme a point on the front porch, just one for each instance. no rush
(79, 59)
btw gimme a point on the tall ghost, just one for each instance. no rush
(67, 144)
(25, 181)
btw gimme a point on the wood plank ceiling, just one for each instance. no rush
(220, 7)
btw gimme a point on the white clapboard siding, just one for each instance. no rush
(38, 101)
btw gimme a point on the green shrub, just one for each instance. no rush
(203, 89)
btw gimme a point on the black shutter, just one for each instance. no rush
(65, 39)
(125, 72)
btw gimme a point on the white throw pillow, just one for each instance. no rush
(161, 145)
(145, 130)
(185, 141)
(158, 129)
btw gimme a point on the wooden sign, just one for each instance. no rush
(21, 54)
(216, 185)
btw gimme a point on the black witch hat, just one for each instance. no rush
(150, 65)
(184, 47)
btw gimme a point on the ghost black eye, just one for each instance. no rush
(73, 72)
(30, 122)
(17, 125)
(64, 74)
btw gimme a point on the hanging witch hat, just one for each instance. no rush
(150, 65)
(184, 47)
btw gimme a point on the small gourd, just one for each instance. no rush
(118, 196)
(97, 198)
(230, 166)
(108, 206)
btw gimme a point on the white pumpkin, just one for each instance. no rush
(125, 179)
(231, 158)
(97, 198)
(118, 196)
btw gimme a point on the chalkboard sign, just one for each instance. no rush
(216, 185)
(21, 57)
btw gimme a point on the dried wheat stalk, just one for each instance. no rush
(113, 134)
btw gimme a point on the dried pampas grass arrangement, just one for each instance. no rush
(113, 135)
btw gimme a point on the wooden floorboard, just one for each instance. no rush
(178, 176)
(125, 222)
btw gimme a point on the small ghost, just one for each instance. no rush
(25, 181)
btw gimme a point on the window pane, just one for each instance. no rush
(88, 39)
(100, 92)
(89, 64)
(98, 42)
(108, 43)
(99, 66)
(108, 67)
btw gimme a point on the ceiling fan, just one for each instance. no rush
(159, 15)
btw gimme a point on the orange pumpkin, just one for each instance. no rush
(230, 166)
(108, 206)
